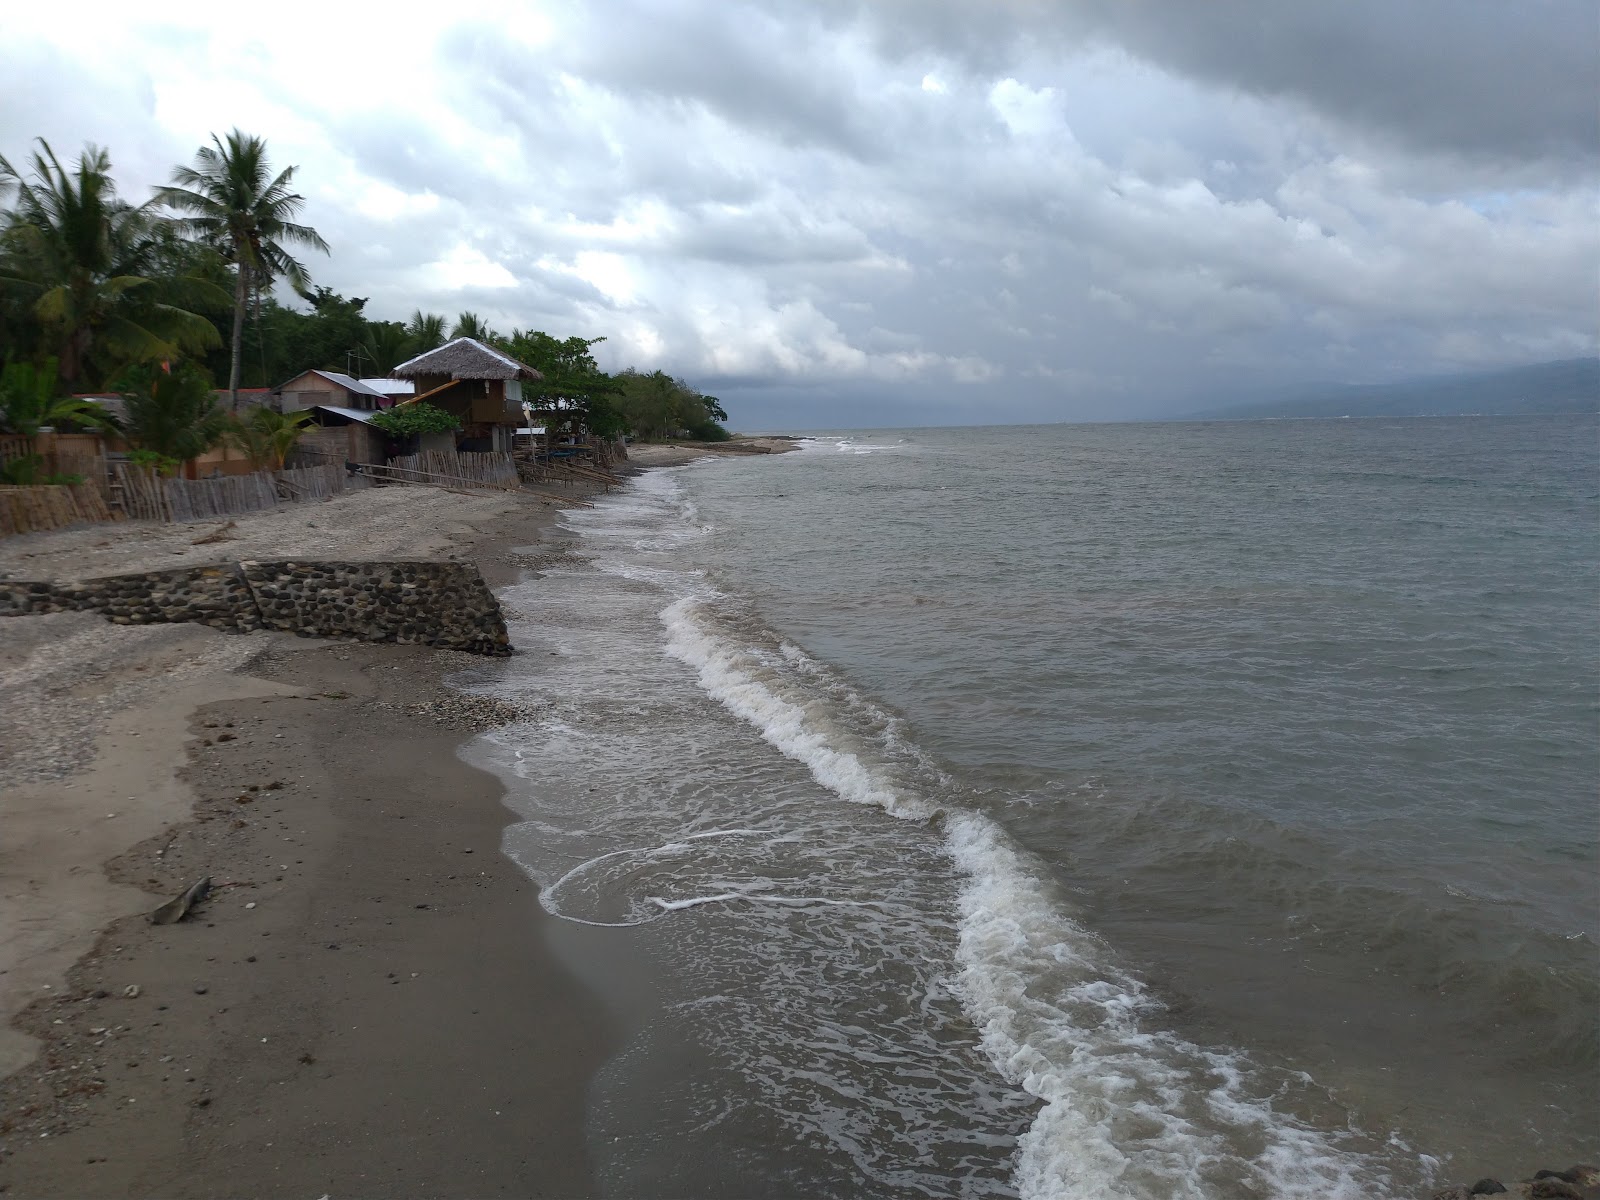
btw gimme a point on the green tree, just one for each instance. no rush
(386, 346)
(471, 325)
(102, 282)
(426, 331)
(292, 340)
(174, 415)
(239, 208)
(408, 420)
(574, 389)
(31, 400)
(658, 406)
(266, 436)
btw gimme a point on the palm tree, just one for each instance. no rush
(237, 206)
(103, 280)
(426, 331)
(31, 400)
(387, 345)
(174, 415)
(471, 325)
(266, 437)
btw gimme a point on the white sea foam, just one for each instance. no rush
(739, 680)
(1130, 1110)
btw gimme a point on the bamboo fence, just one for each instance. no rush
(146, 496)
(121, 489)
(487, 470)
(50, 506)
(319, 483)
(227, 496)
(138, 492)
(438, 468)
(79, 454)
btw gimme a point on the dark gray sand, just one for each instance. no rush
(365, 1006)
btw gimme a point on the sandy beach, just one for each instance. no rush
(676, 454)
(366, 1004)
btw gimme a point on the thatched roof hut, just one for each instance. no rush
(465, 358)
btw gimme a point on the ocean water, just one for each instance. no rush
(1079, 811)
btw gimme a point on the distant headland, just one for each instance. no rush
(1570, 385)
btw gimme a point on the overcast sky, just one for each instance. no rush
(908, 211)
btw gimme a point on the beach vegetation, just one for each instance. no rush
(203, 280)
(28, 470)
(410, 420)
(237, 207)
(657, 406)
(385, 346)
(172, 413)
(284, 340)
(266, 436)
(573, 386)
(154, 460)
(471, 325)
(97, 282)
(425, 331)
(31, 401)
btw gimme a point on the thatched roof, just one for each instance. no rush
(465, 358)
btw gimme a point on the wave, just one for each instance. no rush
(1129, 1109)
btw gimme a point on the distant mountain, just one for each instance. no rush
(1569, 386)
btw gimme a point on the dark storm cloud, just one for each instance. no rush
(1503, 81)
(1006, 210)
(787, 78)
(1508, 81)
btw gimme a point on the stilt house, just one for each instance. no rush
(479, 385)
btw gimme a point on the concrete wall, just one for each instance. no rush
(444, 604)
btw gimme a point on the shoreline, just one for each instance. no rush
(386, 1012)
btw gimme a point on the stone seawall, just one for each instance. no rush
(445, 604)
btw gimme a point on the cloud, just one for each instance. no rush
(1014, 209)
(1503, 81)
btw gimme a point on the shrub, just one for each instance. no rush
(408, 420)
(266, 437)
(173, 414)
(708, 431)
(160, 463)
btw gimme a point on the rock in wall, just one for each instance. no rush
(444, 604)
(431, 603)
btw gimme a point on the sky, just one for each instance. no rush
(903, 212)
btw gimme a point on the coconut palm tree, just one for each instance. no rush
(426, 331)
(102, 280)
(172, 414)
(387, 345)
(471, 325)
(236, 205)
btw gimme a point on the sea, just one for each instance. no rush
(1123, 810)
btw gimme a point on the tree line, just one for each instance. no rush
(171, 295)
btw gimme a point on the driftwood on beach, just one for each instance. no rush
(178, 907)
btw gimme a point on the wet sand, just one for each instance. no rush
(365, 1006)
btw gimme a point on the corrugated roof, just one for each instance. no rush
(348, 383)
(339, 378)
(390, 387)
(355, 414)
